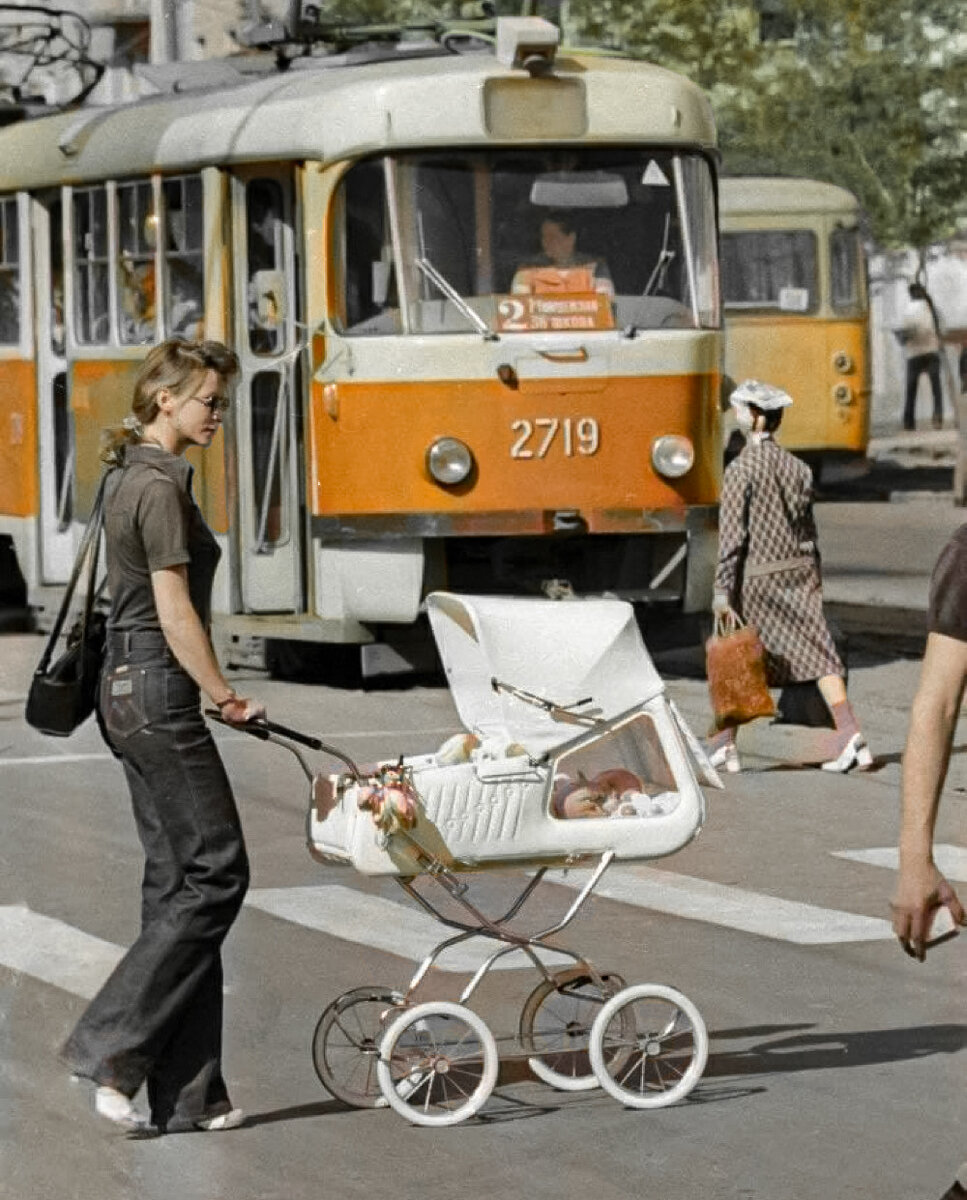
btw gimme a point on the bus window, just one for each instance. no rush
(770, 269)
(264, 216)
(9, 273)
(137, 239)
(844, 261)
(270, 455)
(183, 257)
(92, 325)
(475, 248)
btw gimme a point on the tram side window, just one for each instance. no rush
(844, 259)
(770, 269)
(56, 251)
(92, 324)
(9, 272)
(183, 255)
(264, 223)
(137, 280)
(371, 302)
(270, 453)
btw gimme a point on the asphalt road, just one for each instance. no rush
(836, 1066)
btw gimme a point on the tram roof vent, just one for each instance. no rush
(528, 43)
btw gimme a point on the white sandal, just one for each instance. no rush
(855, 753)
(725, 756)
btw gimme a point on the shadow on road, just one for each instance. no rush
(833, 1049)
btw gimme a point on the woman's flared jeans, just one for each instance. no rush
(158, 1018)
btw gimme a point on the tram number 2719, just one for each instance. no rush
(534, 439)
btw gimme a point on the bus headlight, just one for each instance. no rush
(449, 461)
(843, 394)
(843, 363)
(672, 455)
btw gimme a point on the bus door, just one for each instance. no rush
(55, 421)
(267, 410)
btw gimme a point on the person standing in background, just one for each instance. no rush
(919, 335)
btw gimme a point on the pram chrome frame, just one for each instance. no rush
(623, 1058)
(505, 793)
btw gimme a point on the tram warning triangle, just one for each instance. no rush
(654, 175)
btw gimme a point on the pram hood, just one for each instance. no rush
(562, 651)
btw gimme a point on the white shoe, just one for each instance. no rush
(229, 1120)
(725, 756)
(116, 1107)
(855, 753)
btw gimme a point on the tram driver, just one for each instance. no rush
(561, 266)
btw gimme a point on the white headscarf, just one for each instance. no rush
(764, 396)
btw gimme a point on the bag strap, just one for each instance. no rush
(90, 547)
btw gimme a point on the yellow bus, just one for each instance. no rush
(426, 398)
(796, 307)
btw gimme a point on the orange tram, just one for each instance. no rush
(473, 283)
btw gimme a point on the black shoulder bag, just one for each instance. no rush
(62, 694)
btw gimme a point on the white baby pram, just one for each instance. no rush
(571, 754)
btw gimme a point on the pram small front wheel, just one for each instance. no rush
(437, 1063)
(555, 1026)
(345, 1045)
(649, 1046)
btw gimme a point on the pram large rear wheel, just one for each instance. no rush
(345, 1045)
(649, 1046)
(437, 1063)
(555, 1026)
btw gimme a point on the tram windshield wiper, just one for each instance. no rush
(429, 271)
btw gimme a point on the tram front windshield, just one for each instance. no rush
(514, 241)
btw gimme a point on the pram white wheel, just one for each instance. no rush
(555, 1026)
(648, 1046)
(437, 1063)
(345, 1045)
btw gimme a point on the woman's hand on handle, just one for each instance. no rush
(237, 710)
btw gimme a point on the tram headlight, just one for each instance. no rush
(672, 455)
(843, 363)
(449, 461)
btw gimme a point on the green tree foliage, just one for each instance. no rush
(869, 94)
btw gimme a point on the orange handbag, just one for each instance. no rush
(735, 665)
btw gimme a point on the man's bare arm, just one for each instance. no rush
(921, 889)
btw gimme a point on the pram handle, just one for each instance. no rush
(265, 730)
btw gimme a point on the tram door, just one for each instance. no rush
(267, 417)
(55, 421)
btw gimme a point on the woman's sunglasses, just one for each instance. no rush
(216, 405)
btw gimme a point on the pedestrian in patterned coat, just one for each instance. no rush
(768, 571)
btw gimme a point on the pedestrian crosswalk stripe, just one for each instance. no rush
(951, 860)
(54, 952)
(383, 924)
(735, 908)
